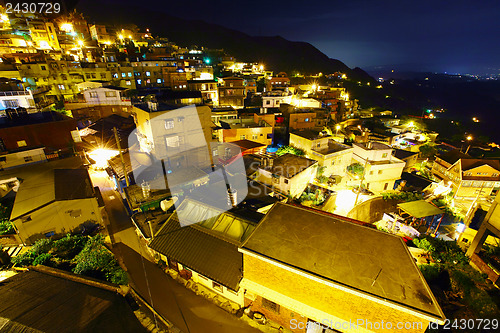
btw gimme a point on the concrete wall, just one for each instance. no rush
(60, 217)
(308, 298)
(22, 158)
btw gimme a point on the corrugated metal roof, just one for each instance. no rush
(194, 247)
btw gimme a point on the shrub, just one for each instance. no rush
(6, 228)
(430, 272)
(290, 150)
(42, 259)
(69, 246)
(424, 244)
(97, 261)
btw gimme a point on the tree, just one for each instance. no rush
(356, 169)
(428, 150)
(290, 150)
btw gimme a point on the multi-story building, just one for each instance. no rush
(469, 177)
(332, 156)
(280, 81)
(244, 129)
(232, 92)
(381, 168)
(288, 174)
(15, 99)
(208, 89)
(179, 136)
(43, 34)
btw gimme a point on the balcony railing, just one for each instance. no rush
(14, 93)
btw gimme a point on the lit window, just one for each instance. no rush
(139, 81)
(148, 81)
(93, 95)
(129, 74)
(215, 152)
(115, 75)
(148, 73)
(158, 81)
(128, 83)
(169, 124)
(124, 74)
(172, 141)
(61, 87)
(242, 137)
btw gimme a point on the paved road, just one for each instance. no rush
(186, 310)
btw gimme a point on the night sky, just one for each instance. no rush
(438, 35)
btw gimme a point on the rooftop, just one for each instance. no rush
(288, 165)
(209, 247)
(373, 146)
(37, 302)
(32, 118)
(310, 134)
(51, 185)
(333, 147)
(402, 154)
(452, 156)
(353, 256)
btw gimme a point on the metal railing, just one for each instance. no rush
(14, 93)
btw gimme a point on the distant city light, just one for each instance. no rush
(469, 137)
(475, 120)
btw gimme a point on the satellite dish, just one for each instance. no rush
(166, 204)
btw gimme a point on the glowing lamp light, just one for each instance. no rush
(129, 37)
(120, 36)
(101, 157)
(410, 124)
(67, 27)
(4, 17)
(80, 43)
(469, 137)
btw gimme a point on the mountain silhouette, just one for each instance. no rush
(275, 52)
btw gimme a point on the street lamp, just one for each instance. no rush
(337, 128)
(469, 138)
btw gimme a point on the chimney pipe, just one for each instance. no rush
(232, 199)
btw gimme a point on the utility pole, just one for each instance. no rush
(361, 182)
(117, 139)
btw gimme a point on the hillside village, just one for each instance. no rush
(276, 198)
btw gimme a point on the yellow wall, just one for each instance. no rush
(318, 301)
(56, 217)
(261, 133)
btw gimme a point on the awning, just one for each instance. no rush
(419, 208)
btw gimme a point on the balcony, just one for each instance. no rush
(14, 93)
